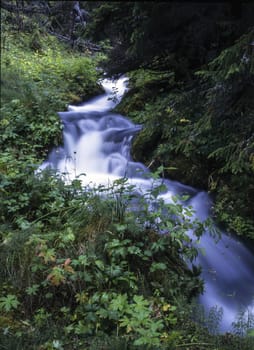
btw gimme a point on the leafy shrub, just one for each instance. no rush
(111, 275)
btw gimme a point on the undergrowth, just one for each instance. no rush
(82, 270)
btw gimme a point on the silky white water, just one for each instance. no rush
(96, 149)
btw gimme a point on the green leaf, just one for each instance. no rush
(158, 266)
(9, 302)
(33, 289)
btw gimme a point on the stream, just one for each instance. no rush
(97, 144)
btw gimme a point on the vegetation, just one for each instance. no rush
(80, 270)
(191, 79)
(114, 276)
(38, 82)
(203, 132)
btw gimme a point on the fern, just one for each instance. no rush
(235, 157)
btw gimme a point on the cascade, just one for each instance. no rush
(97, 149)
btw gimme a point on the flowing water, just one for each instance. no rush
(96, 148)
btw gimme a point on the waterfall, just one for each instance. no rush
(96, 149)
